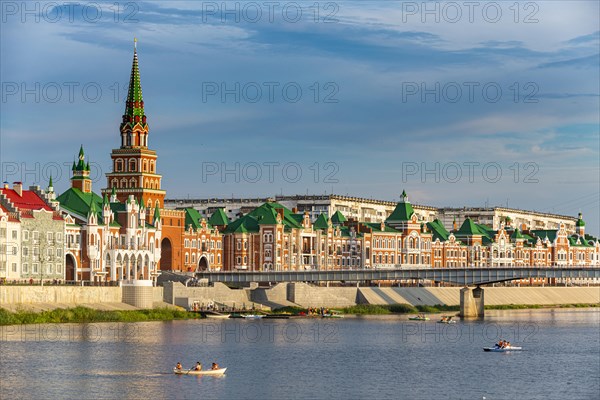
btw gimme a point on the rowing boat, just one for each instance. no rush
(213, 372)
(217, 316)
(448, 321)
(418, 318)
(497, 349)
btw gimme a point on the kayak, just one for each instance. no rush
(213, 372)
(418, 319)
(497, 349)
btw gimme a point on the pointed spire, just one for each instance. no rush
(81, 153)
(156, 214)
(105, 200)
(74, 167)
(50, 185)
(93, 208)
(134, 107)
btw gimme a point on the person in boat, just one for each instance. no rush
(178, 366)
(198, 366)
(507, 344)
(215, 366)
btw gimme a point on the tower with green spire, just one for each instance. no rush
(134, 164)
(134, 129)
(81, 174)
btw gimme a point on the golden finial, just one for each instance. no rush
(135, 44)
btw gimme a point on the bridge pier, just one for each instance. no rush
(471, 302)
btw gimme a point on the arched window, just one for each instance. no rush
(119, 165)
(132, 165)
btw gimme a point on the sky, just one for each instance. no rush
(458, 103)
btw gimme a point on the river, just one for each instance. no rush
(354, 357)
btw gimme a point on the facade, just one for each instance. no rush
(125, 235)
(272, 237)
(108, 240)
(369, 210)
(31, 235)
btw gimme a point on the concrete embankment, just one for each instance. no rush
(41, 298)
(493, 295)
(304, 295)
(284, 294)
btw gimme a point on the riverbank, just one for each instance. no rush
(88, 315)
(375, 309)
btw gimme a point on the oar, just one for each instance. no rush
(190, 370)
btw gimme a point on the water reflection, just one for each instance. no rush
(380, 356)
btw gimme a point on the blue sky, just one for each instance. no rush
(388, 92)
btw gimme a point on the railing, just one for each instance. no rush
(460, 276)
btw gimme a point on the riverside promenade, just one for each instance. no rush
(38, 298)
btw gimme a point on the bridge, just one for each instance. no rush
(471, 300)
(464, 276)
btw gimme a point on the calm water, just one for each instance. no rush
(366, 357)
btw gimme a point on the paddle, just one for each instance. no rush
(190, 370)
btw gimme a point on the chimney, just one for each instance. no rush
(18, 187)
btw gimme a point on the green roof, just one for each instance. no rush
(403, 211)
(265, 214)
(376, 227)
(468, 228)
(338, 218)
(543, 233)
(194, 218)
(245, 224)
(75, 201)
(81, 165)
(288, 217)
(321, 222)
(580, 221)
(438, 230)
(582, 241)
(218, 218)
(268, 217)
(517, 234)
